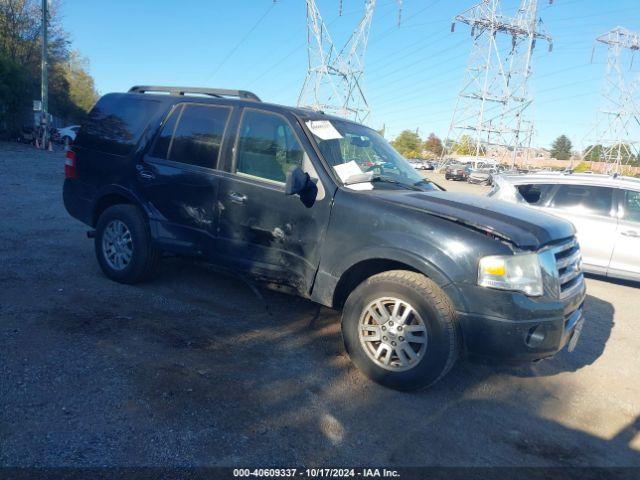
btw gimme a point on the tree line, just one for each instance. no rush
(562, 149)
(72, 90)
(409, 144)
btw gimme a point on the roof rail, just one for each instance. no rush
(213, 92)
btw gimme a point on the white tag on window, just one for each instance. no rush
(323, 129)
(350, 169)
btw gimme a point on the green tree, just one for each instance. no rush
(467, 146)
(561, 148)
(82, 90)
(71, 89)
(408, 143)
(13, 93)
(434, 144)
(593, 153)
(597, 153)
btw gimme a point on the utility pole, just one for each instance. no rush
(44, 88)
(492, 104)
(617, 125)
(334, 78)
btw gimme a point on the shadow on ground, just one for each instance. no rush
(216, 371)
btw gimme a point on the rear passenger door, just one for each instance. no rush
(179, 178)
(625, 261)
(591, 210)
(262, 230)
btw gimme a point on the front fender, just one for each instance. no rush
(324, 288)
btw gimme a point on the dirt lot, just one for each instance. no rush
(201, 368)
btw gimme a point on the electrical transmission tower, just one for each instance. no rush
(492, 104)
(617, 126)
(334, 78)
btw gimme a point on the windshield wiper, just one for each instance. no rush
(368, 177)
(378, 178)
(424, 181)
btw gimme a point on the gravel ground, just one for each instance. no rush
(198, 367)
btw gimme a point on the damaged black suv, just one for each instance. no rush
(325, 208)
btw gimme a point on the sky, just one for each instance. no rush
(413, 72)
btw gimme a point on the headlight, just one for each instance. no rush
(512, 272)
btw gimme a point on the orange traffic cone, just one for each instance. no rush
(50, 146)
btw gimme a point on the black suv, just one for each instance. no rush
(325, 208)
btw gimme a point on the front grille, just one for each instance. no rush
(568, 263)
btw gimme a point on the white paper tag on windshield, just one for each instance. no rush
(323, 129)
(349, 169)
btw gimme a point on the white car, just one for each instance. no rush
(68, 134)
(417, 163)
(604, 209)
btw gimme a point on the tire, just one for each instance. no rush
(144, 257)
(442, 343)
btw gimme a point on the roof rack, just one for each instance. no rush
(213, 92)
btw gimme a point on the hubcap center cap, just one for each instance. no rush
(393, 334)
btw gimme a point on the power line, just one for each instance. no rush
(493, 103)
(297, 48)
(241, 42)
(617, 132)
(334, 77)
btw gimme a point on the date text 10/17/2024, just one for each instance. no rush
(316, 472)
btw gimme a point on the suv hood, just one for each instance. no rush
(522, 226)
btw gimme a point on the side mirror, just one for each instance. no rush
(297, 181)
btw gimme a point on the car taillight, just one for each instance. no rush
(70, 164)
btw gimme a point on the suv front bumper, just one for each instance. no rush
(524, 336)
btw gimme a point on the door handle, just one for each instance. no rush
(631, 233)
(238, 198)
(146, 174)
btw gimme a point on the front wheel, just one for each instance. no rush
(123, 245)
(400, 329)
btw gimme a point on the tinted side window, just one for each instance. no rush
(267, 146)
(631, 206)
(161, 146)
(535, 194)
(584, 199)
(116, 123)
(198, 136)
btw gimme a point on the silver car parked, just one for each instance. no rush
(604, 209)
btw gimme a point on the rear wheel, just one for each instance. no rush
(400, 329)
(123, 245)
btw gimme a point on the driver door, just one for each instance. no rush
(260, 229)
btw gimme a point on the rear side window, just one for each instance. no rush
(193, 135)
(631, 206)
(116, 123)
(535, 194)
(163, 141)
(584, 199)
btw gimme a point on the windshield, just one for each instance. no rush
(361, 157)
